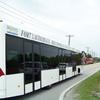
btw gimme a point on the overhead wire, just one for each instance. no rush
(27, 17)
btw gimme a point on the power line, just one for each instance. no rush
(23, 13)
(20, 11)
(17, 14)
(9, 12)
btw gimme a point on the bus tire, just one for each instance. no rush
(79, 70)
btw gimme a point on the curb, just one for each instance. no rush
(68, 89)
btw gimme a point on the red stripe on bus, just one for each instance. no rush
(1, 72)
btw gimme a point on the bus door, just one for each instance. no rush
(28, 68)
(62, 71)
(37, 66)
(37, 75)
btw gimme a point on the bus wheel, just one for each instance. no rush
(49, 86)
(79, 70)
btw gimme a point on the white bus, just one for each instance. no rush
(29, 62)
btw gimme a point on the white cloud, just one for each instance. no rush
(91, 3)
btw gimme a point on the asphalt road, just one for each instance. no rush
(56, 90)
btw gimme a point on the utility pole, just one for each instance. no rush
(88, 48)
(69, 38)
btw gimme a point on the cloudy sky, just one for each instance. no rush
(78, 17)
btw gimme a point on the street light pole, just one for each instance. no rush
(69, 38)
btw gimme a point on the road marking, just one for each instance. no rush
(68, 89)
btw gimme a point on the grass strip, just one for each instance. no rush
(86, 89)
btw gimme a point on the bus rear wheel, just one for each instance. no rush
(79, 70)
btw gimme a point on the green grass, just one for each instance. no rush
(86, 88)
